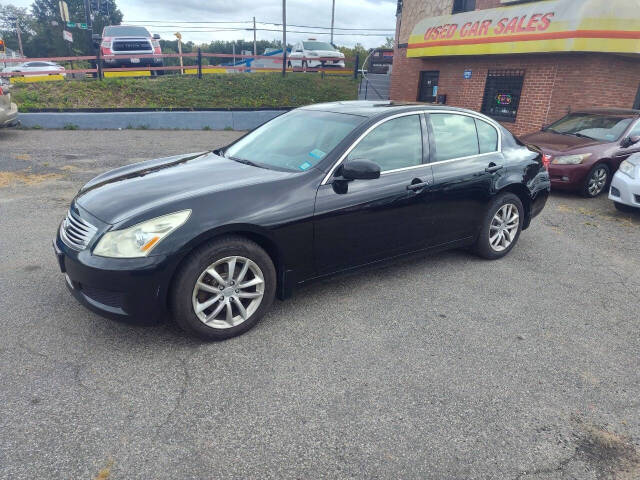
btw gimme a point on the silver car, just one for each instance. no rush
(8, 110)
(36, 69)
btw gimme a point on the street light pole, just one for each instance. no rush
(284, 37)
(333, 12)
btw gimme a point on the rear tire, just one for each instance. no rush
(216, 305)
(501, 227)
(597, 180)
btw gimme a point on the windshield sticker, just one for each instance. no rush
(304, 166)
(317, 153)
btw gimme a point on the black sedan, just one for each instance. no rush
(211, 238)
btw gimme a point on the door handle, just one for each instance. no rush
(493, 168)
(417, 186)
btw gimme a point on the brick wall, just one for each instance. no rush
(553, 84)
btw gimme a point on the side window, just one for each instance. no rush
(454, 136)
(395, 144)
(487, 137)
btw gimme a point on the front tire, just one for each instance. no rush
(596, 181)
(501, 227)
(223, 288)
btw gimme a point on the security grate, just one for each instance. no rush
(502, 94)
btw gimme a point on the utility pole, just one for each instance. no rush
(19, 33)
(87, 17)
(255, 49)
(333, 12)
(284, 37)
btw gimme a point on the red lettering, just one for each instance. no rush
(545, 21)
(500, 26)
(474, 29)
(465, 29)
(427, 33)
(445, 31)
(436, 32)
(511, 28)
(521, 24)
(484, 29)
(452, 30)
(531, 26)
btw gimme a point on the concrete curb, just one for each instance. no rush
(199, 120)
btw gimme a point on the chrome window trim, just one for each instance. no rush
(474, 115)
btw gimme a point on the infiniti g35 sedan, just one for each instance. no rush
(211, 238)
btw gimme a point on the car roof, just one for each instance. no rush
(370, 108)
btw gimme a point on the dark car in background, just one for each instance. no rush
(120, 40)
(212, 237)
(585, 148)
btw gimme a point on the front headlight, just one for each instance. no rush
(627, 168)
(139, 240)
(571, 159)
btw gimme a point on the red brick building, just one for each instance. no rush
(525, 64)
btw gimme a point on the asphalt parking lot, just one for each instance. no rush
(446, 367)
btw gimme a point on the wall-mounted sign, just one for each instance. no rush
(550, 26)
(504, 99)
(64, 11)
(67, 36)
(467, 74)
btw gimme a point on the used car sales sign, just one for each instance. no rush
(550, 26)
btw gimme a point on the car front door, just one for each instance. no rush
(361, 221)
(466, 162)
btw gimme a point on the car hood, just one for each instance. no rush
(557, 142)
(134, 189)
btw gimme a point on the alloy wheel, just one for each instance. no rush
(228, 292)
(504, 227)
(597, 181)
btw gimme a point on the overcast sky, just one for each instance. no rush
(377, 14)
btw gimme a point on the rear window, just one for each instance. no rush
(125, 31)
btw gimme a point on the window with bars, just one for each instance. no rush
(460, 6)
(502, 94)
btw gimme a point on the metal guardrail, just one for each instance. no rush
(99, 68)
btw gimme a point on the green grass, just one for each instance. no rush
(212, 91)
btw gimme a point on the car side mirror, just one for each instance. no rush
(156, 36)
(360, 170)
(628, 141)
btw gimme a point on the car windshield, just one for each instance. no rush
(604, 128)
(318, 46)
(125, 31)
(295, 141)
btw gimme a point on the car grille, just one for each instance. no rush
(131, 46)
(75, 232)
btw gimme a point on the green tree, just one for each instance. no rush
(49, 26)
(10, 18)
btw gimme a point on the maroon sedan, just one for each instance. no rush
(585, 148)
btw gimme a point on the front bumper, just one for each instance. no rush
(128, 289)
(115, 62)
(10, 118)
(625, 190)
(326, 64)
(568, 177)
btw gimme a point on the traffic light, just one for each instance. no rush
(2, 46)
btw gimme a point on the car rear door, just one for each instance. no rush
(362, 221)
(466, 161)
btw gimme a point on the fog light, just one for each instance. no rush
(615, 192)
